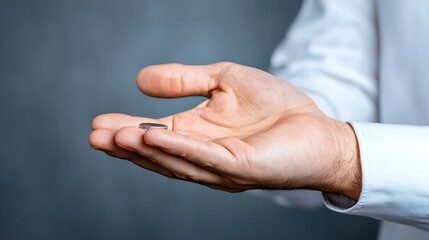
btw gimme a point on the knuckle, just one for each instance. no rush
(240, 181)
(188, 176)
(246, 165)
(168, 174)
(192, 177)
(151, 159)
(226, 64)
(183, 155)
(211, 163)
(234, 190)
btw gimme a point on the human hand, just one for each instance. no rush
(254, 131)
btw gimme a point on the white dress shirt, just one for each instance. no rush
(368, 61)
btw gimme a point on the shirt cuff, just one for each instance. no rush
(395, 179)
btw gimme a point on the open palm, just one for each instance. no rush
(253, 131)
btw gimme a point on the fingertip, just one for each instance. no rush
(140, 76)
(106, 120)
(150, 136)
(97, 139)
(92, 139)
(95, 124)
(145, 78)
(128, 137)
(160, 80)
(155, 137)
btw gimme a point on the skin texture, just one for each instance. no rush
(254, 131)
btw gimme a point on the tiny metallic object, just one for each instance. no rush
(146, 126)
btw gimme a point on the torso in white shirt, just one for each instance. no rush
(403, 61)
(403, 28)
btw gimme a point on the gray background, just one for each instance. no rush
(63, 62)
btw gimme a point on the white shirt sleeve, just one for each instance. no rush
(395, 175)
(330, 54)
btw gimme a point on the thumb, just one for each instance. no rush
(177, 80)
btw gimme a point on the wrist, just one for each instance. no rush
(347, 174)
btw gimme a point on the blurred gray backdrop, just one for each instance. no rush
(64, 62)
